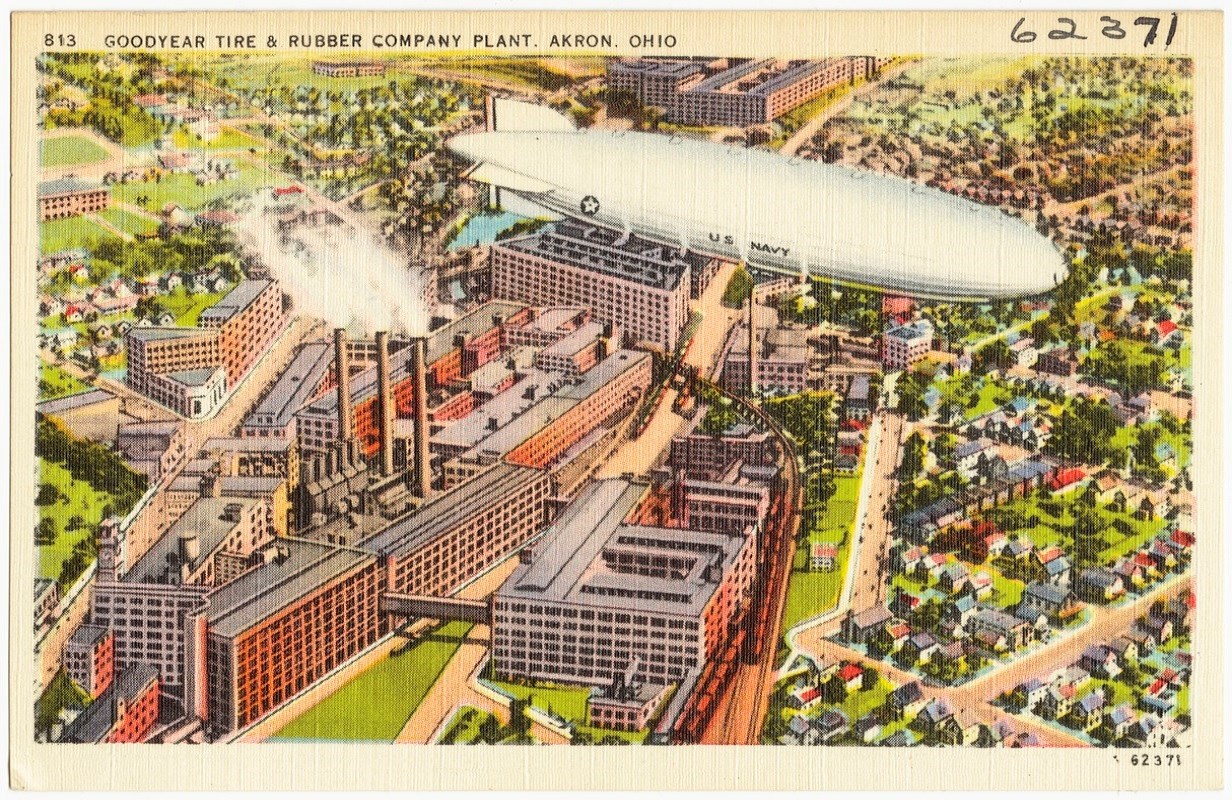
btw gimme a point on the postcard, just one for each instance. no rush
(552, 400)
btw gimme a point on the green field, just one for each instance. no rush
(72, 233)
(811, 593)
(55, 382)
(83, 500)
(187, 307)
(183, 190)
(132, 224)
(227, 139)
(68, 151)
(568, 702)
(376, 705)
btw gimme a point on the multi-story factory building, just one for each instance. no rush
(463, 531)
(189, 370)
(306, 377)
(273, 632)
(734, 92)
(598, 595)
(179, 368)
(640, 286)
(69, 197)
(907, 344)
(247, 319)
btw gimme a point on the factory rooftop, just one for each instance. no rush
(294, 387)
(62, 405)
(160, 334)
(609, 252)
(681, 68)
(445, 511)
(210, 518)
(582, 558)
(299, 567)
(65, 186)
(238, 299)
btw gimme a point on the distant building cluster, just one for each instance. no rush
(734, 92)
(349, 69)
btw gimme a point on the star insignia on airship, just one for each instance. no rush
(590, 205)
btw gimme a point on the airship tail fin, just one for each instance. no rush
(515, 115)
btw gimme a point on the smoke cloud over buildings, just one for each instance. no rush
(342, 274)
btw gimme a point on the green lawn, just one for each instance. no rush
(861, 702)
(227, 139)
(568, 702)
(841, 507)
(185, 307)
(375, 705)
(72, 233)
(83, 500)
(811, 593)
(67, 151)
(55, 382)
(183, 190)
(130, 223)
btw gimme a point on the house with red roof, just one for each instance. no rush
(1164, 333)
(1066, 478)
(852, 676)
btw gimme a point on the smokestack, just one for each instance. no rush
(422, 456)
(385, 402)
(342, 366)
(752, 349)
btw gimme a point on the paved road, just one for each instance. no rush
(639, 455)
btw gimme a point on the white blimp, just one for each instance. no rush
(783, 215)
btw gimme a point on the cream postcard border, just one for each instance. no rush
(352, 766)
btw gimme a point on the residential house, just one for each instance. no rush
(860, 628)
(1100, 661)
(1010, 631)
(958, 730)
(824, 557)
(1058, 702)
(906, 701)
(1143, 639)
(867, 728)
(1031, 692)
(898, 633)
(981, 585)
(921, 647)
(1088, 713)
(831, 725)
(1099, 585)
(953, 578)
(852, 676)
(1056, 603)
(803, 697)
(931, 717)
(1119, 720)
(958, 612)
(1126, 650)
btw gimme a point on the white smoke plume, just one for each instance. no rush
(339, 273)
